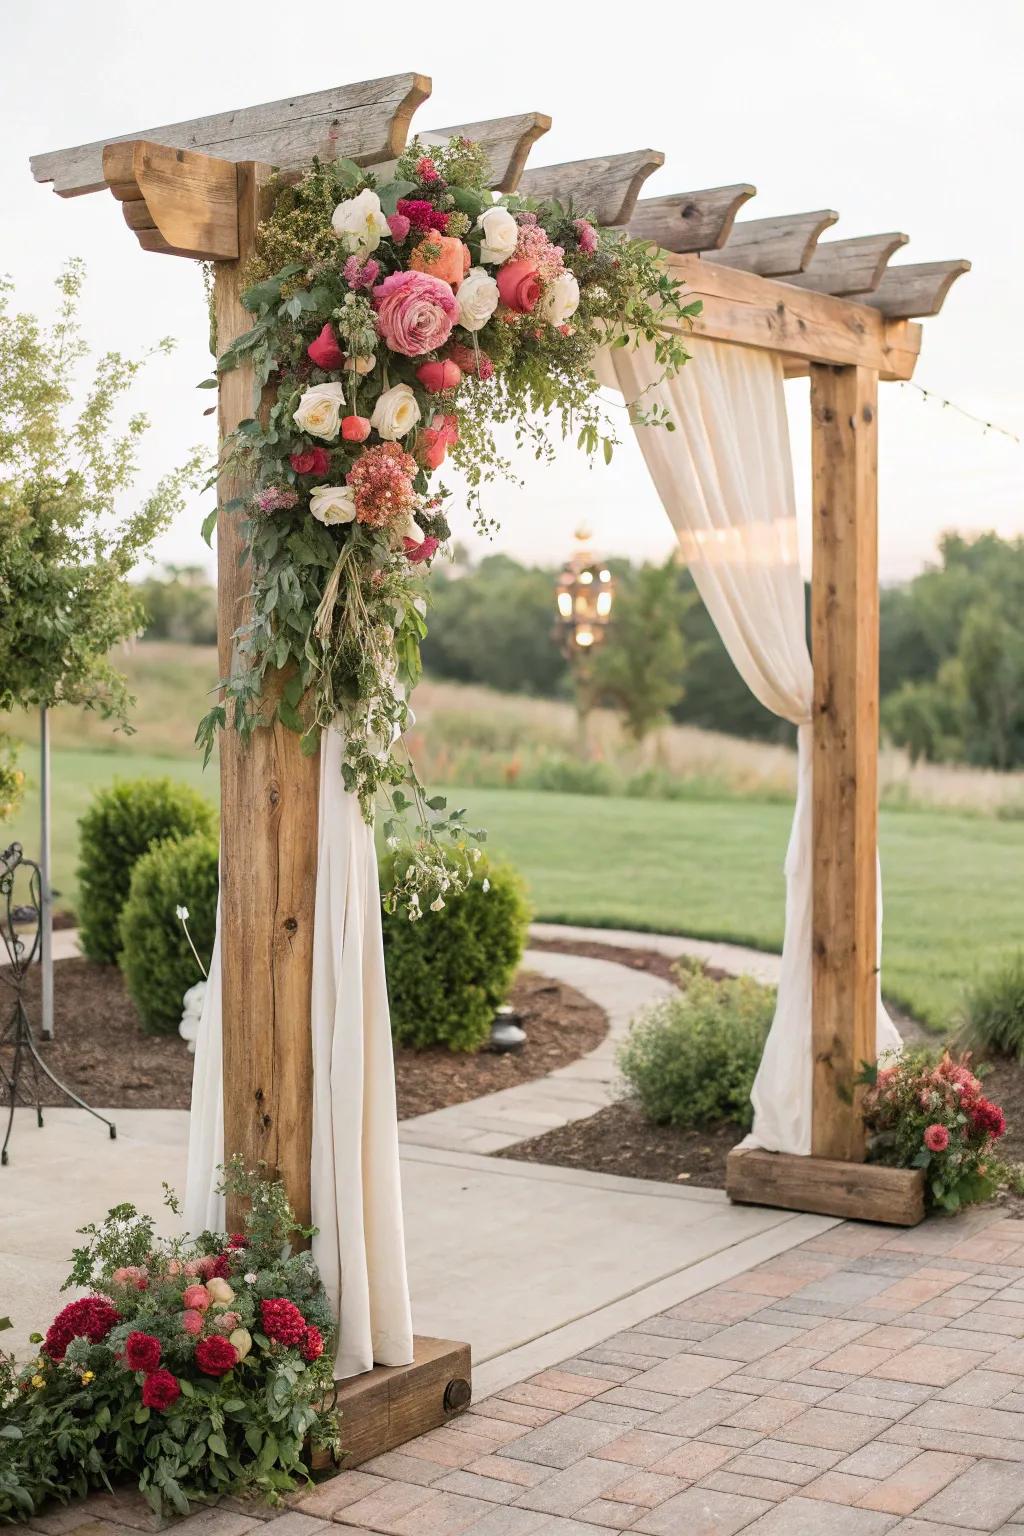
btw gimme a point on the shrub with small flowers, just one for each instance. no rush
(931, 1113)
(195, 1368)
(396, 327)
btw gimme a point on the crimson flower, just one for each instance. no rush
(91, 1318)
(215, 1355)
(160, 1389)
(282, 1321)
(142, 1352)
(312, 1346)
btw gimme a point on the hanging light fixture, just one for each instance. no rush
(584, 595)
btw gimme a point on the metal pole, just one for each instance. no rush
(46, 951)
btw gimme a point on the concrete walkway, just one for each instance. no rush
(734, 959)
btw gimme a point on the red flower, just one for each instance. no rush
(160, 1389)
(988, 1117)
(421, 215)
(91, 1318)
(282, 1321)
(239, 1239)
(426, 549)
(312, 1346)
(311, 461)
(325, 351)
(436, 377)
(142, 1352)
(519, 285)
(215, 1355)
(220, 1268)
(936, 1138)
(355, 429)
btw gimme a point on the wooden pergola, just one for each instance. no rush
(835, 310)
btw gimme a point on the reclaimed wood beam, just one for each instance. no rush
(802, 326)
(177, 202)
(507, 141)
(853, 266)
(366, 121)
(606, 187)
(915, 291)
(774, 247)
(690, 221)
(855, 1191)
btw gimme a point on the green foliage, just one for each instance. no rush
(449, 973)
(67, 543)
(691, 1060)
(156, 957)
(494, 624)
(12, 780)
(991, 1017)
(180, 605)
(640, 664)
(122, 822)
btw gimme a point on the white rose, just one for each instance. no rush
(500, 235)
(561, 300)
(477, 298)
(361, 365)
(395, 413)
(332, 504)
(360, 222)
(319, 411)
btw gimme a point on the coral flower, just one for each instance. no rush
(519, 286)
(442, 256)
(436, 377)
(197, 1298)
(936, 1138)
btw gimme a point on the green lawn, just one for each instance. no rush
(953, 885)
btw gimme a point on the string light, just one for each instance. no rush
(986, 426)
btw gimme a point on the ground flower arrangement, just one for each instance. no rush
(194, 1368)
(397, 327)
(933, 1114)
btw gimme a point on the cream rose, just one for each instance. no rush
(500, 234)
(241, 1338)
(477, 299)
(332, 503)
(395, 413)
(220, 1290)
(319, 411)
(561, 299)
(360, 223)
(364, 364)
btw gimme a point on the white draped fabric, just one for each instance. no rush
(725, 479)
(356, 1191)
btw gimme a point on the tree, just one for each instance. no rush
(641, 664)
(180, 605)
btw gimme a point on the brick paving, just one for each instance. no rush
(868, 1383)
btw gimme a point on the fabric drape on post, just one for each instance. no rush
(725, 478)
(355, 1186)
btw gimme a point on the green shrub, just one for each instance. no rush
(156, 958)
(570, 776)
(450, 970)
(991, 1017)
(691, 1060)
(122, 822)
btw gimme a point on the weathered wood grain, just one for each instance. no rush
(690, 221)
(606, 187)
(798, 324)
(847, 267)
(826, 1187)
(507, 140)
(844, 630)
(392, 1404)
(179, 203)
(365, 121)
(774, 247)
(269, 813)
(915, 291)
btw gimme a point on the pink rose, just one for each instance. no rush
(197, 1298)
(415, 312)
(399, 226)
(192, 1321)
(519, 285)
(325, 351)
(425, 550)
(436, 377)
(936, 1138)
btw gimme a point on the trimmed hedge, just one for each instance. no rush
(156, 958)
(449, 971)
(120, 825)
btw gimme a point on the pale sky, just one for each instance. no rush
(902, 115)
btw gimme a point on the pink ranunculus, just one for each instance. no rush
(415, 312)
(192, 1322)
(586, 235)
(197, 1298)
(424, 550)
(325, 351)
(355, 429)
(436, 377)
(399, 226)
(519, 285)
(936, 1138)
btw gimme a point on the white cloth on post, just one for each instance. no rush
(355, 1183)
(725, 478)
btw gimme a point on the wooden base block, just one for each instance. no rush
(391, 1404)
(858, 1191)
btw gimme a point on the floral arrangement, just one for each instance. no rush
(396, 327)
(197, 1368)
(932, 1114)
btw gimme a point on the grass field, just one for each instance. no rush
(953, 884)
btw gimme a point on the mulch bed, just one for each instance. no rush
(101, 1052)
(650, 960)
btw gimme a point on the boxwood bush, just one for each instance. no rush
(156, 958)
(991, 1017)
(122, 822)
(450, 970)
(690, 1061)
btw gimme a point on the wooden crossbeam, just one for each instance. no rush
(914, 291)
(848, 266)
(367, 121)
(690, 221)
(607, 187)
(774, 247)
(179, 203)
(507, 141)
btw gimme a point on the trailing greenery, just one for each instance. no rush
(121, 824)
(691, 1060)
(158, 962)
(991, 1017)
(447, 976)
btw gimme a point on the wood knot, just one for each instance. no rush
(867, 414)
(274, 796)
(291, 925)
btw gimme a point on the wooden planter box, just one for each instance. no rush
(826, 1187)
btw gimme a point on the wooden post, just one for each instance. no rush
(269, 798)
(844, 625)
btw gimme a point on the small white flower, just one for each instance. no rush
(486, 884)
(250, 1278)
(363, 364)
(392, 843)
(359, 222)
(181, 913)
(561, 300)
(437, 904)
